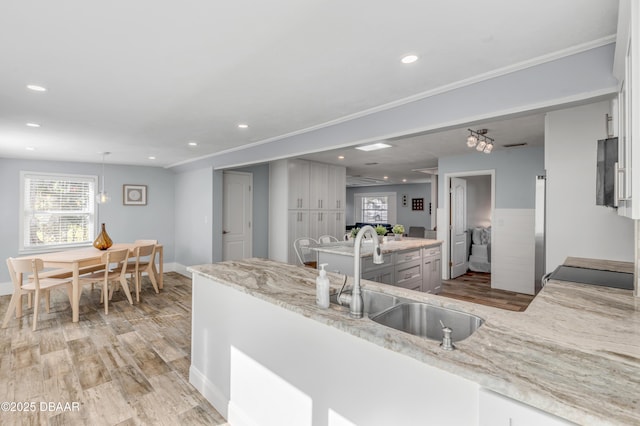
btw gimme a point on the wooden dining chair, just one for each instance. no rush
(110, 274)
(33, 284)
(144, 256)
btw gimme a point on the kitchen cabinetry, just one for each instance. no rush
(302, 196)
(497, 410)
(403, 268)
(431, 270)
(408, 269)
(626, 69)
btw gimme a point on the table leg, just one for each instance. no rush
(75, 303)
(160, 279)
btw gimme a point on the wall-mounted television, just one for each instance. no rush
(606, 172)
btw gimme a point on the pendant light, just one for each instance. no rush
(102, 197)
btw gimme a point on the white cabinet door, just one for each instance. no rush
(318, 223)
(337, 187)
(336, 224)
(298, 184)
(497, 410)
(627, 66)
(318, 186)
(298, 228)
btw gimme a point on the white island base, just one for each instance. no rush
(260, 364)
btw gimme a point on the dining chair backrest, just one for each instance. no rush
(145, 242)
(416, 231)
(24, 266)
(327, 239)
(115, 256)
(302, 247)
(144, 251)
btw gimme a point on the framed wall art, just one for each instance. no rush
(134, 195)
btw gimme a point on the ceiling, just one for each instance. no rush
(142, 79)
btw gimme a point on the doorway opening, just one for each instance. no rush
(469, 210)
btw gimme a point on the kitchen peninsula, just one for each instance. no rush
(412, 263)
(264, 353)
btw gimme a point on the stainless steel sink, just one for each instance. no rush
(421, 319)
(374, 302)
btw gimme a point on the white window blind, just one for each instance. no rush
(56, 210)
(375, 207)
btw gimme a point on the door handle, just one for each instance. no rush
(225, 232)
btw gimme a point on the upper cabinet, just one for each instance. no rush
(626, 69)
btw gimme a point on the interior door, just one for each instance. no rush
(459, 259)
(237, 214)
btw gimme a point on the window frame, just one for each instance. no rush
(392, 204)
(93, 214)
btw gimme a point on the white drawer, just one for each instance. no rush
(408, 256)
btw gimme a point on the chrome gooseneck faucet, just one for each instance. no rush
(356, 304)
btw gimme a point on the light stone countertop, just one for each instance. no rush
(575, 351)
(389, 246)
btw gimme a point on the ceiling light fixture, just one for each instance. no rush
(103, 197)
(373, 146)
(243, 126)
(151, 157)
(36, 88)
(33, 125)
(409, 59)
(340, 157)
(193, 143)
(480, 140)
(30, 148)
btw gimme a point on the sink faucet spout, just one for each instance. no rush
(356, 304)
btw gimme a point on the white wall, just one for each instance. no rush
(576, 226)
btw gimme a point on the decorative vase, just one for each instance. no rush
(381, 239)
(103, 241)
(398, 237)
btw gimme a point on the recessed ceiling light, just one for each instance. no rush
(30, 148)
(33, 125)
(373, 146)
(404, 180)
(386, 177)
(193, 143)
(340, 157)
(243, 126)
(409, 59)
(151, 157)
(36, 88)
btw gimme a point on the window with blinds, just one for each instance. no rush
(57, 210)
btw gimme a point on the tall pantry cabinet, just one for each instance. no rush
(306, 199)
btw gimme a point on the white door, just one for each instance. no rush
(459, 259)
(237, 241)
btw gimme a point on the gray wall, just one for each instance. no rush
(123, 223)
(194, 217)
(478, 200)
(515, 168)
(405, 215)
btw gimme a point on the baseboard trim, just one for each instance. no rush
(209, 391)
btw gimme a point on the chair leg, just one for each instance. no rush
(47, 300)
(138, 278)
(125, 287)
(12, 307)
(105, 296)
(36, 307)
(152, 277)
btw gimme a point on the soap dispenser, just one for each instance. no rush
(322, 288)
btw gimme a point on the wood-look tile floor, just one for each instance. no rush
(130, 367)
(476, 287)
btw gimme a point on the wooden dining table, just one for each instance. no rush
(77, 259)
